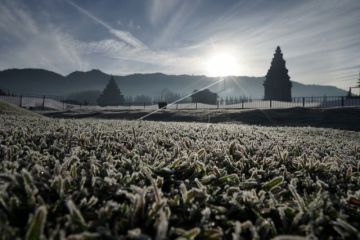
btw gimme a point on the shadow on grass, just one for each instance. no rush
(347, 118)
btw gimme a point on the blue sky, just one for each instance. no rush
(320, 39)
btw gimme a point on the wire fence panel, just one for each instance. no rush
(59, 104)
(352, 101)
(15, 100)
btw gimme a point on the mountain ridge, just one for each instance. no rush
(45, 82)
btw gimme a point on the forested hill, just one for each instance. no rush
(39, 81)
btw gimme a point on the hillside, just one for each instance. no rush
(38, 81)
(10, 109)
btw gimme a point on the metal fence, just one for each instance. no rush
(59, 104)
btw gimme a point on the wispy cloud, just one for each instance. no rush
(159, 9)
(320, 40)
(176, 22)
(126, 47)
(32, 44)
(39, 45)
(316, 37)
(154, 61)
(124, 36)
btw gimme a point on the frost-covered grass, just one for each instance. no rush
(93, 179)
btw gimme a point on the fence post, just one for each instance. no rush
(21, 103)
(342, 101)
(196, 105)
(177, 106)
(303, 102)
(218, 102)
(270, 103)
(129, 105)
(144, 105)
(63, 104)
(43, 103)
(242, 103)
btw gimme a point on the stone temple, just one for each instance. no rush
(277, 83)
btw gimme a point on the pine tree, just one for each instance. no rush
(277, 84)
(111, 96)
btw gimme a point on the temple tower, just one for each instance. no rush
(277, 83)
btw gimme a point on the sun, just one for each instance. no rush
(221, 65)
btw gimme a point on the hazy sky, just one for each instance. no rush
(320, 39)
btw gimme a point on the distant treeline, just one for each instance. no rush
(91, 97)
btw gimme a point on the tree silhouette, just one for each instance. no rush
(277, 84)
(169, 96)
(111, 96)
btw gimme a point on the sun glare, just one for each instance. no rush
(220, 65)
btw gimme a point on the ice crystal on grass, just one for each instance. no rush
(94, 179)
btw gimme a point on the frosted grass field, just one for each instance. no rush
(94, 179)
